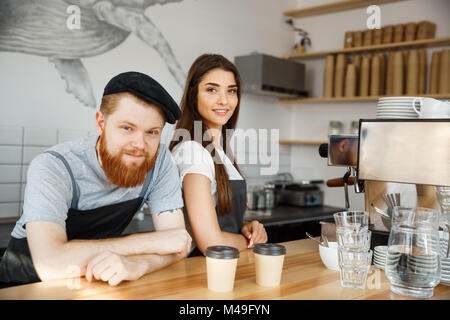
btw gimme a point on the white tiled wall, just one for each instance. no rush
(18, 146)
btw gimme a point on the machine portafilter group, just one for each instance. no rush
(342, 151)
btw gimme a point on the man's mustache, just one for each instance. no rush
(135, 152)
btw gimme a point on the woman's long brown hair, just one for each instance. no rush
(189, 108)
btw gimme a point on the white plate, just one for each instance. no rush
(423, 266)
(380, 254)
(395, 113)
(408, 108)
(423, 263)
(395, 117)
(424, 258)
(396, 101)
(396, 110)
(393, 103)
(397, 98)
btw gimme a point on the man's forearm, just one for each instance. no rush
(153, 262)
(76, 254)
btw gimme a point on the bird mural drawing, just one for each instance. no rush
(39, 27)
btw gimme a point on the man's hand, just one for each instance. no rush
(113, 268)
(254, 232)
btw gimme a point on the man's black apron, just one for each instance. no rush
(232, 222)
(109, 221)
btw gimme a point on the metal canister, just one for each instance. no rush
(269, 193)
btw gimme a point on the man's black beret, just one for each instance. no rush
(146, 88)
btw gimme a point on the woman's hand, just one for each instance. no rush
(254, 232)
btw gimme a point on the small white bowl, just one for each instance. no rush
(329, 256)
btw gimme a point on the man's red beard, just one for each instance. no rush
(121, 174)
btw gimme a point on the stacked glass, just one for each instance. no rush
(353, 237)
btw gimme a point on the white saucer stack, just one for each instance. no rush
(396, 108)
(445, 261)
(445, 271)
(379, 256)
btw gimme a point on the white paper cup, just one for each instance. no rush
(269, 258)
(221, 262)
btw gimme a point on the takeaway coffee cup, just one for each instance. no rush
(269, 259)
(221, 262)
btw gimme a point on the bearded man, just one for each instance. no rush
(81, 195)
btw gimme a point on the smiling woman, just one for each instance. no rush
(213, 186)
(217, 101)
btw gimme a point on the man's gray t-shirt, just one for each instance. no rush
(48, 193)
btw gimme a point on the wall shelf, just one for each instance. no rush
(302, 142)
(357, 99)
(425, 43)
(334, 7)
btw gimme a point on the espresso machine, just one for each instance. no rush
(409, 157)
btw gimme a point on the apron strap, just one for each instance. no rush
(75, 191)
(148, 178)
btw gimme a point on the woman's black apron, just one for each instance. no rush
(232, 222)
(109, 221)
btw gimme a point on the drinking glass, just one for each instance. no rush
(353, 238)
(354, 266)
(351, 219)
(412, 262)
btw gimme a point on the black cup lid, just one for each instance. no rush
(222, 252)
(269, 249)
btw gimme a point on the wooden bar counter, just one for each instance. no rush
(304, 277)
